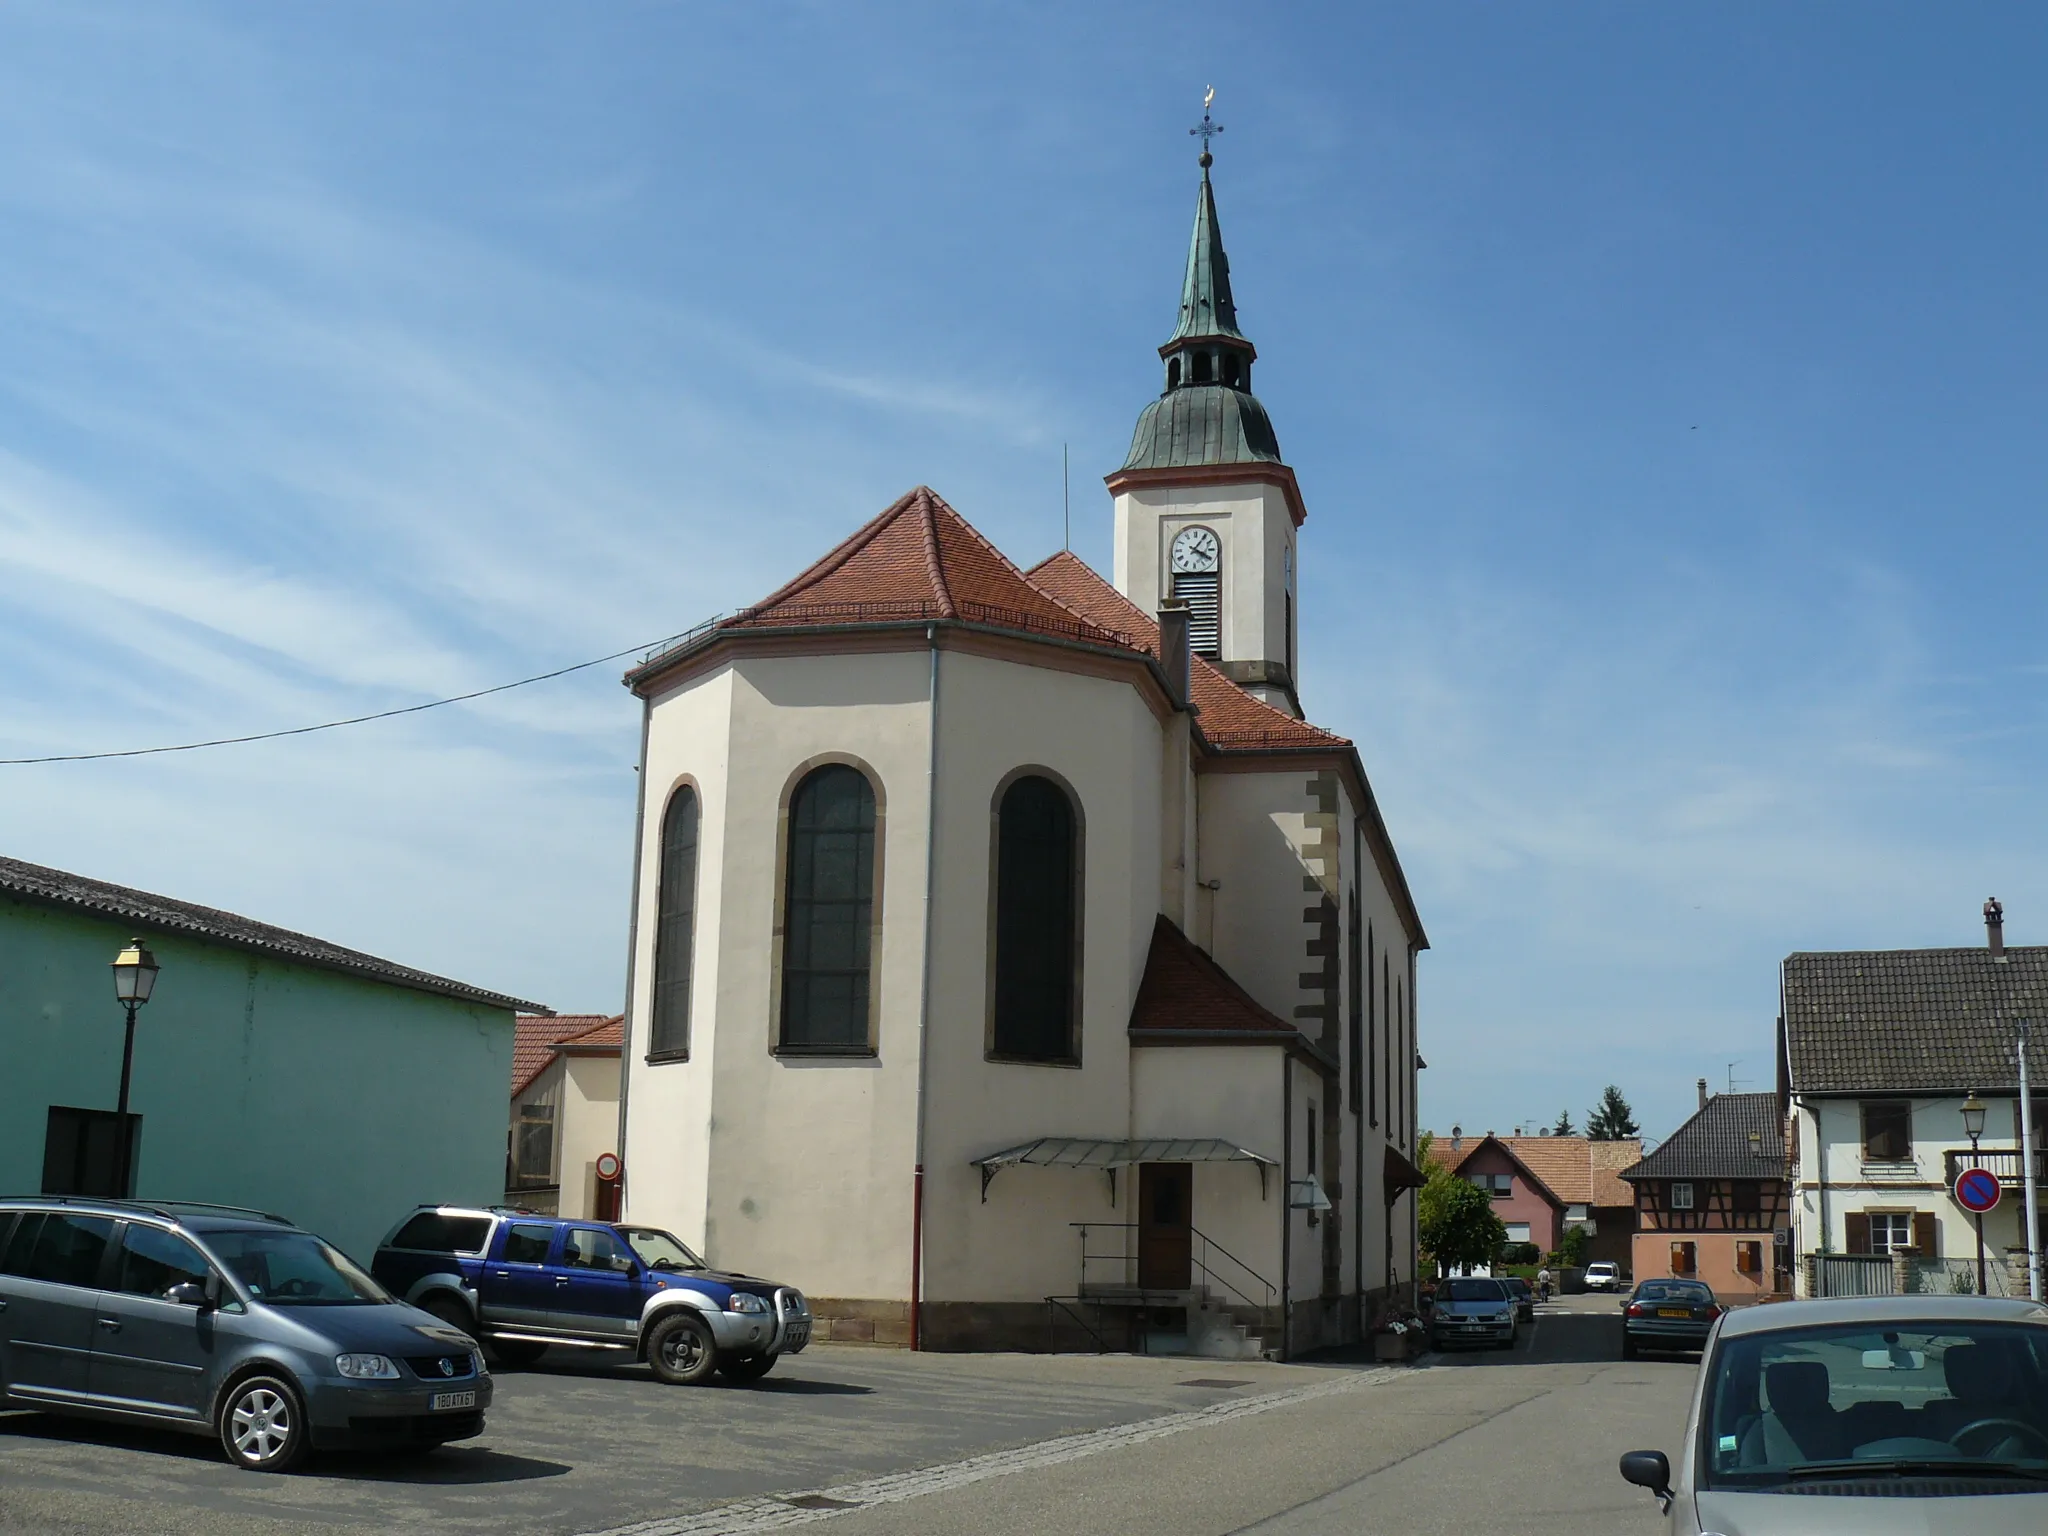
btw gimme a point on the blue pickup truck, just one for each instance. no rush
(522, 1283)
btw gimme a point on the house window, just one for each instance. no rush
(1311, 1141)
(1685, 1258)
(533, 1144)
(1036, 948)
(1681, 1196)
(1518, 1231)
(1749, 1258)
(1373, 1018)
(1891, 1231)
(1499, 1185)
(828, 912)
(675, 927)
(1887, 1131)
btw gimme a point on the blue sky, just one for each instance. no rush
(1664, 384)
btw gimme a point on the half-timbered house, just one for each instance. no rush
(1713, 1201)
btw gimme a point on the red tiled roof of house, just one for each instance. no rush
(921, 560)
(535, 1037)
(609, 1035)
(1184, 989)
(1609, 1159)
(1229, 717)
(1562, 1162)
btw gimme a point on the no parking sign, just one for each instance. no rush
(1977, 1190)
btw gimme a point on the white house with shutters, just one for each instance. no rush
(1012, 963)
(1879, 1051)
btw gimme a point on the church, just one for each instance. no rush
(1013, 965)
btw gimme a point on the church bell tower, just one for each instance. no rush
(1206, 512)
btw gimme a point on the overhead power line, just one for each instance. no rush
(335, 725)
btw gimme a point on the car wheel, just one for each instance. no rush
(681, 1351)
(451, 1312)
(747, 1368)
(517, 1353)
(263, 1424)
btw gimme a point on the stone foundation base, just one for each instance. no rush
(838, 1320)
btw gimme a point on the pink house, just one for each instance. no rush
(1531, 1210)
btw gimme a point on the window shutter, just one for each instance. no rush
(1859, 1231)
(1926, 1234)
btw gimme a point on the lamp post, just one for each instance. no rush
(135, 971)
(1973, 1127)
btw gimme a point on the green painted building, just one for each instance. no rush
(271, 1069)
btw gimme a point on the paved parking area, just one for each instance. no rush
(883, 1443)
(577, 1448)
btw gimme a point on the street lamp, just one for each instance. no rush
(1973, 1127)
(135, 971)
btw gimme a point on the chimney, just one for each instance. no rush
(1703, 1093)
(1173, 650)
(1994, 928)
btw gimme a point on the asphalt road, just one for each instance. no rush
(873, 1441)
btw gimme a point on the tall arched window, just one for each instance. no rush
(828, 912)
(675, 926)
(1036, 973)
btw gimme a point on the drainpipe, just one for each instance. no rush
(632, 951)
(924, 1006)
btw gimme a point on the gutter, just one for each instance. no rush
(632, 951)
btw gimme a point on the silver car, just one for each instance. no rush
(221, 1322)
(1875, 1416)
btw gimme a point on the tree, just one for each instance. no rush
(1457, 1223)
(1612, 1119)
(1564, 1126)
(1573, 1249)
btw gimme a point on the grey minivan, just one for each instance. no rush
(1878, 1416)
(221, 1322)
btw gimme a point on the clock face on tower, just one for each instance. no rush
(1195, 549)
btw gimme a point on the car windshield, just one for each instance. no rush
(1472, 1290)
(1797, 1404)
(660, 1250)
(1517, 1284)
(294, 1269)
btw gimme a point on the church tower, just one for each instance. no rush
(1206, 512)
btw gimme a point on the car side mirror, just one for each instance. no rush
(1651, 1470)
(189, 1293)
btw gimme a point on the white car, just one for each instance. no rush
(1603, 1276)
(1876, 1416)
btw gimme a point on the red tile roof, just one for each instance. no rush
(1184, 990)
(1229, 718)
(921, 560)
(607, 1036)
(536, 1036)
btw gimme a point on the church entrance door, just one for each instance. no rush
(1165, 1243)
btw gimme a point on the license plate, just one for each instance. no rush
(1674, 1312)
(444, 1400)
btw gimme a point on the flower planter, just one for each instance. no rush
(1393, 1348)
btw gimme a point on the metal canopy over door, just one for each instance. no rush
(1165, 1247)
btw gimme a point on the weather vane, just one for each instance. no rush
(1207, 130)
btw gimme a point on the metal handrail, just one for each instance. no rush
(1101, 1344)
(1199, 1260)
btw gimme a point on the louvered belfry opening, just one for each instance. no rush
(1202, 591)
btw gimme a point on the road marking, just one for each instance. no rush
(776, 1512)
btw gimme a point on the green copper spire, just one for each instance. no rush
(1206, 307)
(1207, 413)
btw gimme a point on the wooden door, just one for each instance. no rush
(1165, 1195)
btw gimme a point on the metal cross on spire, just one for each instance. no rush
(1206, 130)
